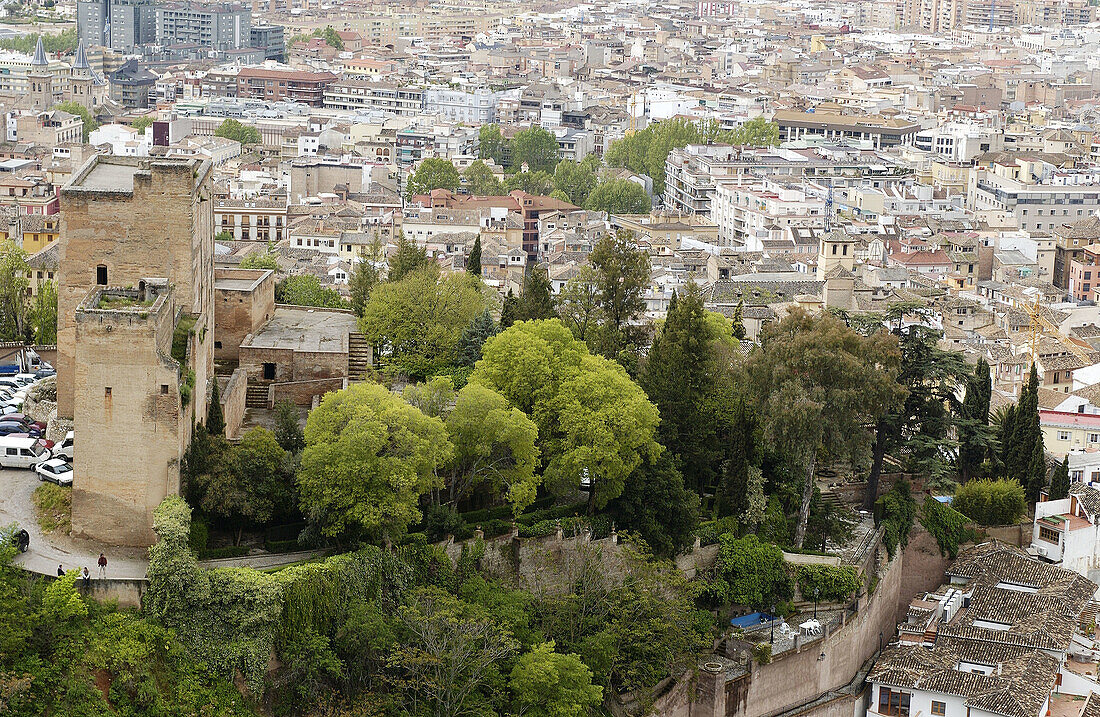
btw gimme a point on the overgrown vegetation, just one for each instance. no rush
(947, 525)
(991, 502)
(53, 507)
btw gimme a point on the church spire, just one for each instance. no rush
(39, 55)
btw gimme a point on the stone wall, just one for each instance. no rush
(233, 397)
(240, 311)
(302, 393)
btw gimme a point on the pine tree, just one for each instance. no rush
(473, 338)
(408, 257)
(536, 301)
(473, 263)
(364, 277)
(509, 310)
(215, 419)
(973, 422)
(1059, 482)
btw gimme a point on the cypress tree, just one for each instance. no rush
(536, 301)
(509, 310)
(215, 419)
(473, 264)
(1036, 472)
(1059, 482)
(738, 321)
(973, 439)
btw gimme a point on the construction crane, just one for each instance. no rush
(1039, 324)
(633, 126)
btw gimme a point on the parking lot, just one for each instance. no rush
(46, 552)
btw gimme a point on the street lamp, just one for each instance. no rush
(817, 592)
(771, 639)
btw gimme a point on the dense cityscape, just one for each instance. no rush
(727, 358)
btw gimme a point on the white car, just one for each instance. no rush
(64, 447)
(26, 379)
(55, 470)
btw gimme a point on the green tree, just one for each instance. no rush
(332, 38)
(420, 319)
(244, 484)
(535, 302)
(535, 147)
(407, 259)
(1022, 440)
(215, 419)
(819, 385)
(975, 437)
(750, 572)
(545, 683)
(622, 276)
(63, 42)
(258, 259)
(288, 432)
(508, 310)
(43, 314)
(540, 183)
(593, 420)
(13, 291)
(141, 123)
(75, 108)
(491, 143)
(480, 180)
(473, 338)
(619, 196)
(234, 130)
(432, 173)
(306, 290)
(656, 505)
(1059, 482)
(575, 180)
(473, 263)
(737, 321)
(364, 277)
(579, 302)
(494, 449)
(369, 457)
(435, 397)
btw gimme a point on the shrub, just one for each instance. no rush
(282, 546)
(946, 525)
(991, 502)
(755, 572)
(896, 510)
(200, 535)
(710, 531)
(835, 583)
(442, 520)
(538, 530)
(231, 551)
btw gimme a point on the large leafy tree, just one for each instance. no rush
(420, 319)
(575, 180)
(369, 457)
(656, 505)
(13, 291)
(43, 314)
(480, 180)
(495, 450)
(579, 303)
(545, 683)
(820, 385)
(593, 420)
(433, 173)
(234, 130)
(618, 196)
(622, 275)
(306, 290)
(535, 147)
(491, 143)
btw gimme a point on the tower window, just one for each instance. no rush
(101, 275)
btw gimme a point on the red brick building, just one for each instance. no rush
(283, 85)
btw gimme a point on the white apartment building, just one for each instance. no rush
(746, 214)
(1036, 195)
(958, 141)
(1065, 531)
(365, 95)
(477, 106)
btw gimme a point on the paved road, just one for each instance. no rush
(47, 552)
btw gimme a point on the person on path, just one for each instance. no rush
(102, 565)
(60, 571)
(86, 577)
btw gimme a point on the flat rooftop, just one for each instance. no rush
(234, 284)
(306, 330)
(111, 177)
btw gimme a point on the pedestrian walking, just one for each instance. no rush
(60, 571)
(86, 577)
(102, 565)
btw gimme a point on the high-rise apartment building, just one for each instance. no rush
(121, 25)
(221, 27)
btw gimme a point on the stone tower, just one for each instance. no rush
(836, 248)
(81, 79)
(40, 79)
(135, 352)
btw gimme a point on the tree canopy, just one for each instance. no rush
(234, 130)
(433, 173)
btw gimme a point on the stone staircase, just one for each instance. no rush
(256, 395)
(359, 356)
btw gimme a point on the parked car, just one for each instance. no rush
(21, 451)
(7, 429)
(26, 379)
(44, 373)
(64, 449)
(25, 419)
(55, 470)
(10, 382)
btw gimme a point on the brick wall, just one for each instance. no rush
(301, 393)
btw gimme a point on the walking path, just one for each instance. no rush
(46, 552)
